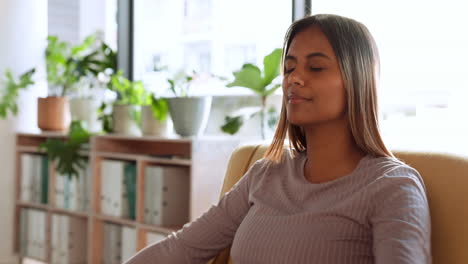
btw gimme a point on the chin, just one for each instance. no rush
(298, 121)
(308, 121)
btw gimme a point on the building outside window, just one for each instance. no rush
(211, 37)
(423, 54)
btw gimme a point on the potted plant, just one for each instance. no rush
(69, 70)
(12, 87)
(126, 109)
(189, 113)
(154, 116)
(98, 65)
(261, 83)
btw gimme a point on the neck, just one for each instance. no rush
(331, 151)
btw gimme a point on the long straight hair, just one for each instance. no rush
(358, 59)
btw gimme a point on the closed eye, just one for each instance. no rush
(289, 70)
(315, 69)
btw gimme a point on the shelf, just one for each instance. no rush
(116, 220)
(159, 229)
(132, 223)
(168, 161)
(29, 149)
(172, 138)
(148, 159)
(69, 212)
(32, 205)
(31, 260)
(117, 156)
(47, 134)
(204, 158)
(34, 140)
(142, 146)
(34, 149)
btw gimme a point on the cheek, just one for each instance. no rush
(284, 86)
(334, 97)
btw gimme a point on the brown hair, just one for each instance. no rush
(358, 59)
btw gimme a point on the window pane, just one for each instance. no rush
(74, 20)
(208, 36)
(423, 54)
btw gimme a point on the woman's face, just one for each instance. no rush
(313, 89)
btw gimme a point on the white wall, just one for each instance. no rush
(23, 31)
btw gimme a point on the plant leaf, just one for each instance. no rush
(105, 118)
(234, 122)
(249, 77)
(128, 92)
(271, 66)
(66, 152)
(232, 125)
(272, 89)
(9, 97)
(159, 107)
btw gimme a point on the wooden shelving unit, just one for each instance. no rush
(206, 159)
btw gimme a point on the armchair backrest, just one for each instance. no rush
(446, 180)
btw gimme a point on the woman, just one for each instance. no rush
(338, 195)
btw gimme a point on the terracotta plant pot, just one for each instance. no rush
(53, 113)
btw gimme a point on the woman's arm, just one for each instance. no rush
(401, 221)
(202, 239)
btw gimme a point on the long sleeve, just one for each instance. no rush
(401, 221)
(202, 239)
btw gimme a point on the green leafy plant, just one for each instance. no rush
(261, 83)
(67, 65)
(66, 152)
(180, 83)
(159, 107)
(10, 94)
(128, 93)
(106, 117)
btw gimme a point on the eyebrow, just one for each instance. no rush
(311, 55)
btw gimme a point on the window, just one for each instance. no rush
(211, 37)
(423, 52)
(73, 20)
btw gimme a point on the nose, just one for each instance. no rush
(296, 78)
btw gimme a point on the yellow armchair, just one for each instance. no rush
(446, 180)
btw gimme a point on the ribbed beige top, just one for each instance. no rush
(377, 214)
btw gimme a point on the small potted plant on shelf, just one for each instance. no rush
(189, 113)
(261, 83)
(126, 109)
(154, 116)
(69, 70)
(10, 93)
(98, 65)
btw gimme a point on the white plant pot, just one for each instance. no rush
(190, 114)
(86, 110)
(151, 126)
(123, 121)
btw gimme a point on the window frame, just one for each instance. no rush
(125, 31)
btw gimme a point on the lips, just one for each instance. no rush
(296, 99)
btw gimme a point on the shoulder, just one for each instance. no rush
(394, 182)
(390, 171)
